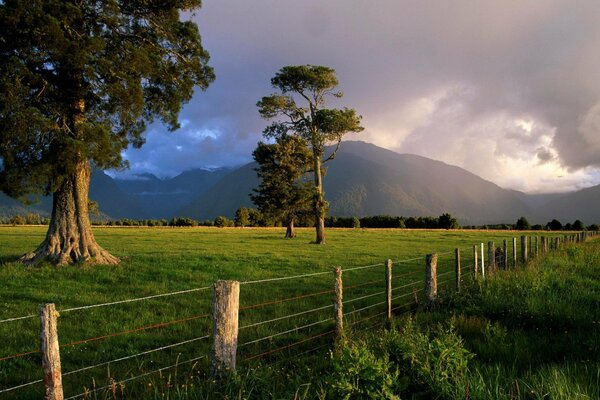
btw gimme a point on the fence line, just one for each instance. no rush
(499, 260)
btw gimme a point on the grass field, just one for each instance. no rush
(163, 260)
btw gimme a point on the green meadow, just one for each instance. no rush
(285, 325)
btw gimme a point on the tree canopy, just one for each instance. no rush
(299, 107)
(283, 194)
(79, 82)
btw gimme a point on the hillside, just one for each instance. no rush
(363, 180)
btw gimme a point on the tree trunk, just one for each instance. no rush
(319, 201)
(289, 232)
(69, 238)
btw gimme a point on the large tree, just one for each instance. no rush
(300, 103)
(283, 194)
(79, 81)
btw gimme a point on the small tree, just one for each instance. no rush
(578, 225)
(309, 120)
(282, 193)
(523, 224)
(554, 225)
(447, 221)
(242, 217)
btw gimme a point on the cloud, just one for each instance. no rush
(494, 87)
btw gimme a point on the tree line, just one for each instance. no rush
(251, 217)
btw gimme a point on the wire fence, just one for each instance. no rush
(292, 322)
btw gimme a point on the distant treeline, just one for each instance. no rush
(249, 217)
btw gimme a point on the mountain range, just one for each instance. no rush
(362, 180)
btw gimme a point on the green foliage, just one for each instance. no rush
(81, 80)
(242, 217)
(554, 225)
(358, 373)
(309, 120)
(578, 225)
(222, 222)
(447, 221)
(283, 194)
(522, 224)
(434, 358)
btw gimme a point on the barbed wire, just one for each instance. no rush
(283, 278)
(143, 328)
(285, 317)
(21, 386)
(364, 297)
(363, 267)
(405, 286)
(285, 332)
(136, 355)
(288, 346)
(286, 299)
(363, 308)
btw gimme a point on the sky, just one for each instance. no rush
(507, 90)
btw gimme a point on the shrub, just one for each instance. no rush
(359, 374)
(222, 222)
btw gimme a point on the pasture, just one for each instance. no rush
(292, 316)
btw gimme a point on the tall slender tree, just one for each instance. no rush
(79, 81)
(300, 103)
(283, 193)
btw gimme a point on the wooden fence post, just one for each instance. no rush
(53, 389)
(514, 252)
(388, 288)
(492, 257)
(431, 279)
(536, 247)
(225, 310)
(338, 304)
(457, 265)
(543, 244)
(475, 266)
(482, 262)
(504, 255)
(524, 250)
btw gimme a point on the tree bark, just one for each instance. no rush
(69, 238)
(319, 201)
(290, 232)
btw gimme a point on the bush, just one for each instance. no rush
(222, 222)
(434, 359)
(359, 374)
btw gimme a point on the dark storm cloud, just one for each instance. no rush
(483, 85)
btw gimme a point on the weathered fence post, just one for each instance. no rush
(475, 266)
(482, 263)
(225, 310)
(388, 288)
(338, 304)
(524, 250)
(504, 255)
(53, 389)
(491, 257)
(457, 265)
(536, 247)
(431, 279)
(514, 252)
(543, 243)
